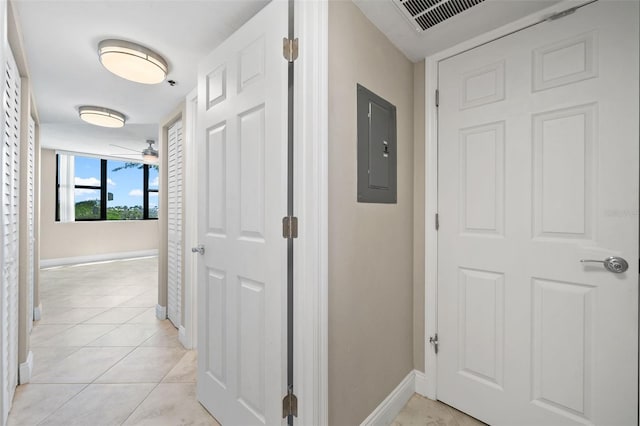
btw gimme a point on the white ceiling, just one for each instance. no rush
(61, 39)
(477, 20)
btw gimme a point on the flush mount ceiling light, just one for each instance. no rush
(100, 116)
(132, 61)
(149, 154)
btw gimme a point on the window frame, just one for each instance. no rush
(104, 192)
(146, 193)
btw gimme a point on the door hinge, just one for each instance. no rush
(437, 222)
(437, 98)
(289, 227)
(434, 341)
(561, 14)
(290, 49)
(289, 405)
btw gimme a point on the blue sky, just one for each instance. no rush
(126, 184)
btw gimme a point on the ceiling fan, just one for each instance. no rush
(149, 154)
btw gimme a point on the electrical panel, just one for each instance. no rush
(377, 155)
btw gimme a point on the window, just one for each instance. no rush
(151, 192)
(90, 188)
(125, 193)
(87, 188)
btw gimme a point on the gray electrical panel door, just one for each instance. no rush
(377, 157)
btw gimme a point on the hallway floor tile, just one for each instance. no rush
(101, 357)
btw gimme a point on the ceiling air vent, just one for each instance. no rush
(424, 14)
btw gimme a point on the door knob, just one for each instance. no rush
(614, 264)
(199, 249)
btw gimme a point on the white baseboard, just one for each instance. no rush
(26, 368)
(393, 403)
(161, 312)
(51, 263)
(182, 337)
(421, 383)
(37, 312)
(415, 382)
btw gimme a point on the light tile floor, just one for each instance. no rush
(421, 411)
(102, 358)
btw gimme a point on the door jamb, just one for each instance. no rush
(311, 206)
(431, 175)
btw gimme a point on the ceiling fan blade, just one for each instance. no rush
(124, 147)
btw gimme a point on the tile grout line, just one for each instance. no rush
(86, 385)
(140, 403)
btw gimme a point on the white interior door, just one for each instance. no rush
(538, 169)
(10, 193)
(242, 275)
(174, 224)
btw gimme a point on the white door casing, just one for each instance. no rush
(174, 223)
(10, 199)
(537, 169)
(242, 275)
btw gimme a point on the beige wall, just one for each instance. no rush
(76, 239)
(418, 214)
(370, 245)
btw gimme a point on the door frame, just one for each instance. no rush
(431, 175)
(311, 177)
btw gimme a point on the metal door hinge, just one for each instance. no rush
(289, 405)
(290, 49)
(437, 222)
(434, 341)
(289, 227)
(561, 14)
(437, 98)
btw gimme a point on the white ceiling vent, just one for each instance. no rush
(424, 14)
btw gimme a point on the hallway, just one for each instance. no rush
(101, 357)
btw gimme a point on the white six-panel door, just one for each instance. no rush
(242, 275)
(10, 180)
(174, 223)
(538, 169)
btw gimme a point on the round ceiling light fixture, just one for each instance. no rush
(100, 116)
(132, 61)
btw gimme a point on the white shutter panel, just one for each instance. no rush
(174, 223)
(31, 237)
(10, 192)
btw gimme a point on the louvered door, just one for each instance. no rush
(10, 182)
(174, 220)
(31, 237)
